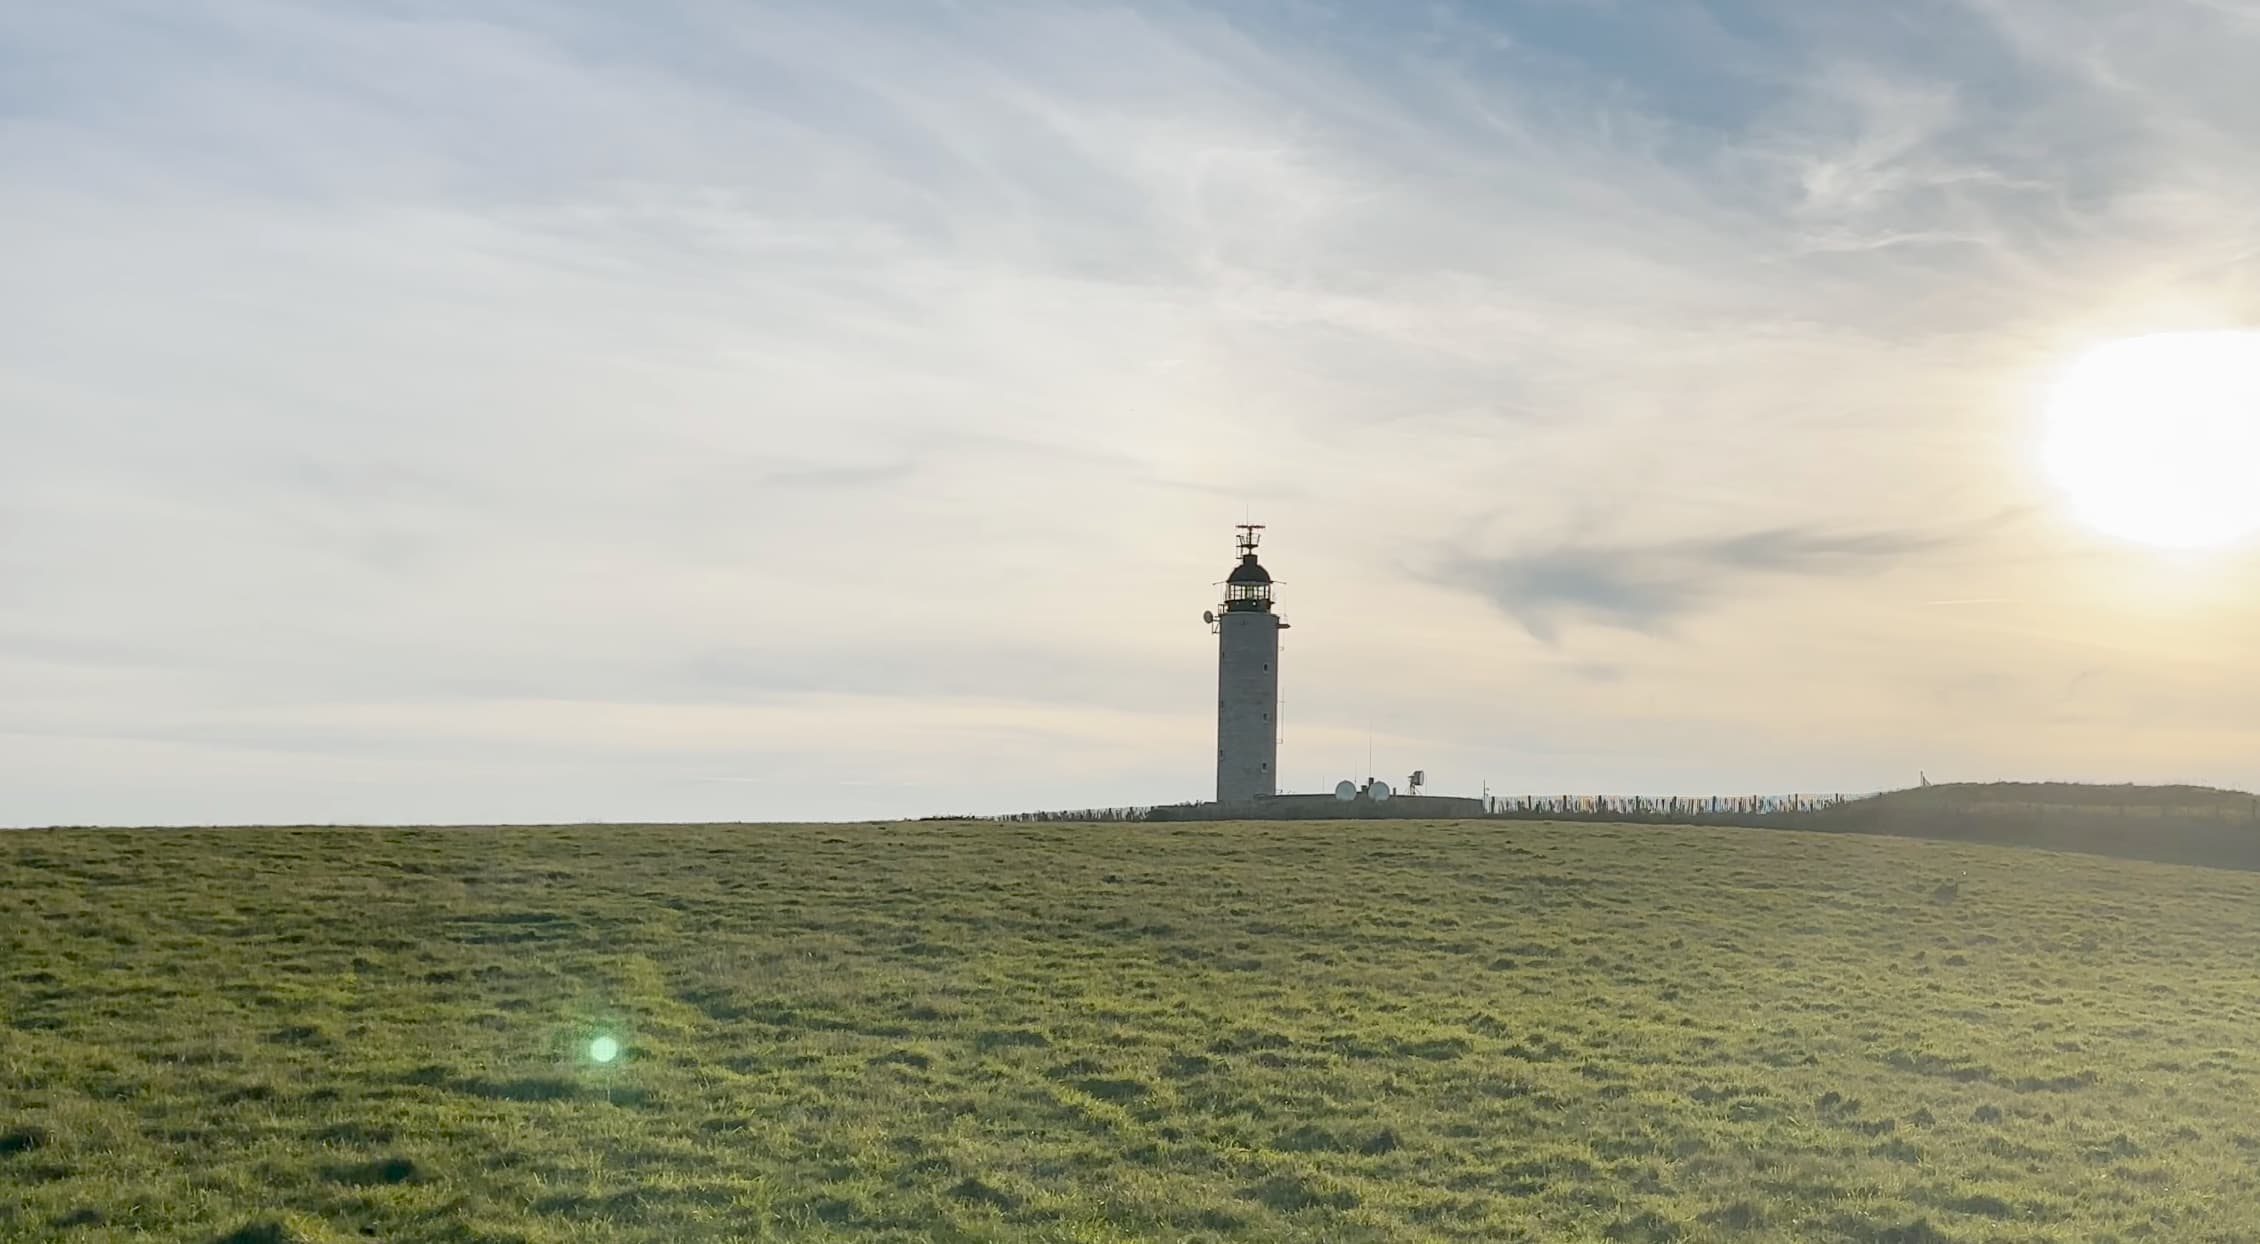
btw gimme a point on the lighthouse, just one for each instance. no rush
(1247, 680)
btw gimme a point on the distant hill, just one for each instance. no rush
(2127, 799)
(2174, 824)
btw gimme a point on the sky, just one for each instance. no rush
(491, 411)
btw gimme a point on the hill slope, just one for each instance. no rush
(2170, 824)
(1403, 1032)
(2122, 800)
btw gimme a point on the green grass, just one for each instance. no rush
(1348, 1032)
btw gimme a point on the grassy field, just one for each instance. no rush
(1380, 1032)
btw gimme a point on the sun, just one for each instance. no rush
(2157, 438)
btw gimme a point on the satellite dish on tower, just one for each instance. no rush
(1209, 616)
(1345, 790)
(1379, 791)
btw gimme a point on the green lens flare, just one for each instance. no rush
(604, 1049)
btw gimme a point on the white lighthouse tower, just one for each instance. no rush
(1247, 681)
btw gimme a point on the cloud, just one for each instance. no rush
(418, 364)
(1649, 587)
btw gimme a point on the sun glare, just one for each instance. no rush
(2157, 438)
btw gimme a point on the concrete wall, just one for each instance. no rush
(1247, 706)
(1300, 806)
(1326, 808)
